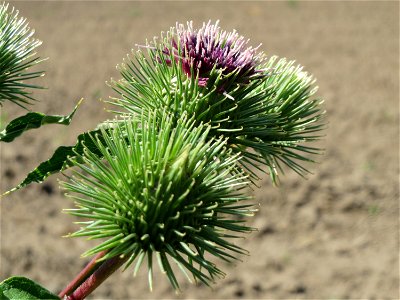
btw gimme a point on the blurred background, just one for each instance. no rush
(334, 235)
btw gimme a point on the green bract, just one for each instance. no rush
(163, 190)
(17, 55)
(273, 112)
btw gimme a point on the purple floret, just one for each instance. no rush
(209, 47)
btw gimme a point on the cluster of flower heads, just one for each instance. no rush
(210, 48)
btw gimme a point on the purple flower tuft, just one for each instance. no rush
(211, 48)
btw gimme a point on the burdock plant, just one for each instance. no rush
(198, 108)
(197, 111)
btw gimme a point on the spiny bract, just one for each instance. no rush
(161, 189)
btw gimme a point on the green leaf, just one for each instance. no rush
(33, 120)
(21, 288)
(60, 160)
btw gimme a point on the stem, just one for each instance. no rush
(85, 273)
(102, 273)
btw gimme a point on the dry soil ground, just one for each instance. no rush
(335, 235)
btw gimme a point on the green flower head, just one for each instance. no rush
(163, 190)
(17, 55)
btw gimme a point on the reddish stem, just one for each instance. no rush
(85, 273)
(102, 273)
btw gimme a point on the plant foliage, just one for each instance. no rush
(33, 120)
(21, 288)
(59, 161)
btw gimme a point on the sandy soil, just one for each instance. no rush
(335, 235)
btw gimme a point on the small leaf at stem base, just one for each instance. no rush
(22, 288)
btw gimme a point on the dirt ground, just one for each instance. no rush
(333, 236)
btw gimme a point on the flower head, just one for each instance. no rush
(161, 190)
(267, 105)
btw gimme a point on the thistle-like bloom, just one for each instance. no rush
(211, 49)
(161, 190)
(210, 74)
(17, 48)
